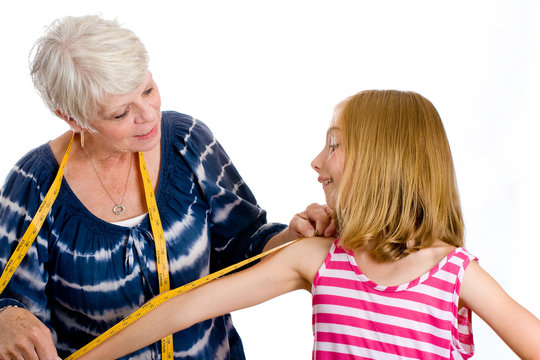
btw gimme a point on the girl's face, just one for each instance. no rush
(131, 122)
(329, 164)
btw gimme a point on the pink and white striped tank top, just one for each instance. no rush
(354, 318)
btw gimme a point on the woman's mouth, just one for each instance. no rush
(147, 135)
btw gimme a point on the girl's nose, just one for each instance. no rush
(316, 163)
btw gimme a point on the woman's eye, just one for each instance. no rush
(148, 92)
(121, 116)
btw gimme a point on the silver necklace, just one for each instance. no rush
(119, 207)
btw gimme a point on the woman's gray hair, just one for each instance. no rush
(80, 61)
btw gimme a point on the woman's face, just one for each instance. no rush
(130, 122)
(329, 165)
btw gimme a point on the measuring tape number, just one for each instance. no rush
(162, 298)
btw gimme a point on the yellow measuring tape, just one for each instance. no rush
(31, 232)
(162, 265)
(35, 225)
(162, 298)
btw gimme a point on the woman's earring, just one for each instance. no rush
(82, 138)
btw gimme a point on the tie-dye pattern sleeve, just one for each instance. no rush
(239, 228)
(22, 192)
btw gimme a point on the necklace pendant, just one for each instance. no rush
(118, 209)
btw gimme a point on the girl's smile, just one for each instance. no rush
(325, 181)
(329, 165)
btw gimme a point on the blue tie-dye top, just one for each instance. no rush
(82, 275)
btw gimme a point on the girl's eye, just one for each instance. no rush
(333, 147)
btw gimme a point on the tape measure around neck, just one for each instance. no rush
(162, 265)
(36, 223)
(43, 210)
(164, 297)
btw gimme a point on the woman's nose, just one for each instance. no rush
(146, 113)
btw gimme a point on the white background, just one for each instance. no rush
(265, 77)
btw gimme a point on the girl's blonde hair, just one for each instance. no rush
(398, 192)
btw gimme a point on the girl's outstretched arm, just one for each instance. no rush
(289, 269)
(515, 325)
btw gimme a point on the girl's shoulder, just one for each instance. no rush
(307, 256)
(403, 271)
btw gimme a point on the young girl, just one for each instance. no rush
(397, 283)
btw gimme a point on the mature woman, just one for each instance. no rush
(94, 260)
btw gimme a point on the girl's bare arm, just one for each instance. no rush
(289, 269)
(515, 325)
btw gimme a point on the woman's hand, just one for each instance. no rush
(23, 336)
(315, 220)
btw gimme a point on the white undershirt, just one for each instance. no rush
(134, 221)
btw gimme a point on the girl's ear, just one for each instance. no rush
(69, 120)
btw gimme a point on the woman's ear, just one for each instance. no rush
(69, 120)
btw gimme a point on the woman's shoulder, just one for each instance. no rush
(36, 161)
(176, 118)
(186, 133)
(191, 138)
(33, 172)
(183, 124)
(58, 146)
